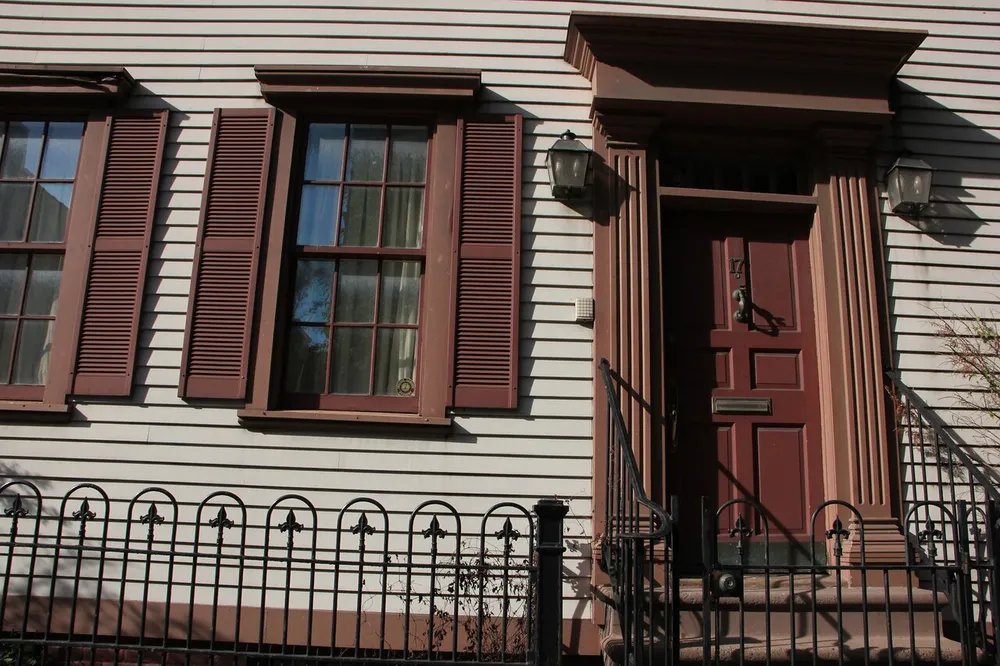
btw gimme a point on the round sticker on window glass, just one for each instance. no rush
(404, 386)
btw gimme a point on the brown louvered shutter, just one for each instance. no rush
(489, 261)
(216, 355)
(112, 301)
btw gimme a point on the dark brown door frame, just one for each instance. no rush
(845, 249)
(827, 85)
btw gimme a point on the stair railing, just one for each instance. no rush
(635, 530)
(937, 467)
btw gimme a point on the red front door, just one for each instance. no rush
(742, 368)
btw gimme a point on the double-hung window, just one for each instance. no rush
(38, 164)
(352, 340)
(79, 177)
(358, 252)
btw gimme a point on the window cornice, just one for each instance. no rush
(291, 86)
(75, 86)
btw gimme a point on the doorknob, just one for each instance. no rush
(742, 314)
(672, 410)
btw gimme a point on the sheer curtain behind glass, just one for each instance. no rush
(397, 347)
(400, 291)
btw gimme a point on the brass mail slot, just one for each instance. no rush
(741, 405)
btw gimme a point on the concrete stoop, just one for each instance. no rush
(731, 619)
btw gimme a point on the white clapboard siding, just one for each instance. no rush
(193, 56)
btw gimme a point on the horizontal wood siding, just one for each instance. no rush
(193, 56)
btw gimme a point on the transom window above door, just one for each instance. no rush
(354, 319)
(741, 173)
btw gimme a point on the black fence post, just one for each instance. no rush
(673, 600)
(549, 549)
(709, 534)
(967, 624)
(993, 588)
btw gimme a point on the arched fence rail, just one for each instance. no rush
(89, 578)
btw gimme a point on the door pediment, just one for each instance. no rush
(746, 73)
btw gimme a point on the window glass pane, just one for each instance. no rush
(317, 215)
(759, 177)
(313, 288)
(731, 176)
(366, 152)
(31, 363)
(407, 154)
(675, 174)
(359, 220)
(395, 360)
(13, 270)
(404, 217)
(15, 199)
(352, 353)
(43, 284)
(7, 329)
(400, 292)
(356, 291)
(324, 151)
(786, 179)
(703, 174)
(48, 216)
(24, 148)
(3, 133)
(62, 150)
(306, 368)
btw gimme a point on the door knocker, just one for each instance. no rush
(742, 314)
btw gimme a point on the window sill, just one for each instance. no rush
(295, 418)
(34, 412)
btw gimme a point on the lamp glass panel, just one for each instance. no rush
(921, 186)
(568, 169)
(909, 186)
(894, 188)
(550, 164)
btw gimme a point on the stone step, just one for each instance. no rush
(831, 652)
(826, 598)
(754, 649)
(758, 594)
(831, 615)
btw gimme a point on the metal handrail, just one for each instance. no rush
(941, 431)
(661, 517)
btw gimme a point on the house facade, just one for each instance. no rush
(313, 249)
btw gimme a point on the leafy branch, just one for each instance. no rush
(972, 346)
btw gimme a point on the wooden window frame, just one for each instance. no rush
(413, 97)
(32, 249)
(342, 401)
(49, 399)
(78, 94)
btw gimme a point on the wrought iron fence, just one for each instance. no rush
(643, 626)
(943, 482)
(756, 600)
(91, 580)
(858, 609)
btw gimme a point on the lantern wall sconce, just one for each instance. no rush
(569, 165)
(908, 185)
